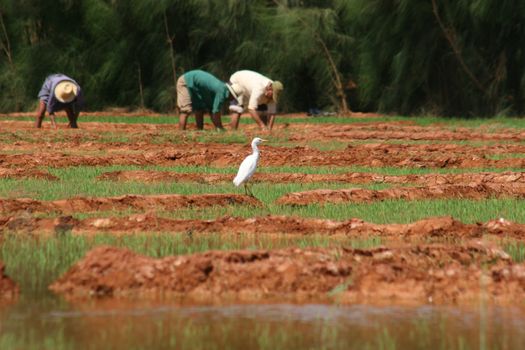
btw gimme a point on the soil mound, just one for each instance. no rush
(21, 173)
(479, 191)
(220, 155)
(391, 130)
(434, 227)
(399, 131)
(357, 178)
(136, 202)
(416, 274)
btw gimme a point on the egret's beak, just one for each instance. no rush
(264, 140)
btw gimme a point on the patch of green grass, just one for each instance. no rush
(82, 186)
(81, 181)
(472, 143)
(490, 124)
(402, 211)
(387, 212)
(91, 172)
(516, 250)
(505, 156)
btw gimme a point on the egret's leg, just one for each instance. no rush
(250, 193)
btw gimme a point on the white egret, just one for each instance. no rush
(248, 166)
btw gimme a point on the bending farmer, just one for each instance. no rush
(199, 91)
(259, 94)
(59, 92)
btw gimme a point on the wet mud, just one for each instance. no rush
(432, 273)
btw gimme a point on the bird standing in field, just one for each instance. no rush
(248, 166)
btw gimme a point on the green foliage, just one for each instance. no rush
(408, 56)
(461, 57)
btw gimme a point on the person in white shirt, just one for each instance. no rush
(256, 93)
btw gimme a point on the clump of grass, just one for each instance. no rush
(516, 250)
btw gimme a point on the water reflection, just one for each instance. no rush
(52, 323)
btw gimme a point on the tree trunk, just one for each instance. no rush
(170, 40)
(141, 90)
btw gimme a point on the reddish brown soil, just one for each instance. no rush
(440, 227)
(375, 155)
(401, 130)
(137, 202)
(476, 191)
(396, 131)
(416, 274)
(402, 273)
(8, 289)
(22, 173)
(356, 178)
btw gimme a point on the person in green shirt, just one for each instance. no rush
(198, 92)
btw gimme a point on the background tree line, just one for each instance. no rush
(448, 57)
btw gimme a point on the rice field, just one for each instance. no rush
(139, 185)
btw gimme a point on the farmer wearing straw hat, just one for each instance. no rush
(199, 91)
(258, 94)
(59, 92)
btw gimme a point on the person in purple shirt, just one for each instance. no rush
(59, 92)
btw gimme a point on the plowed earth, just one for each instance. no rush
(401, 130)
(412, 274)
(356, 178)
(479, 191)
(440, 227)
(137, 202)
(407, 271)
(22, 173)
(376, 155)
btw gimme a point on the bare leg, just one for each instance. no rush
(216, 120)
(271, 121)
(236, 117)
(264, 118)
(53, 122)
(72, 115)
(248, 190)
(40, 114)
(199, 120)
(183, 120)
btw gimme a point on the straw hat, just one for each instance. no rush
(277, 88)
(66, 91)
(235, 90)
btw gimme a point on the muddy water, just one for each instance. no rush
(48, 322)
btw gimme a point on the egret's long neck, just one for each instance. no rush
(255, 149)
